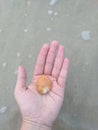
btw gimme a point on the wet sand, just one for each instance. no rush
(24, 26)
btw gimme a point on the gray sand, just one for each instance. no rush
(24, 27)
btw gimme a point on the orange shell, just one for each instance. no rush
(43, 84)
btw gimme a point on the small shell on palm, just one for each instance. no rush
(43, 84)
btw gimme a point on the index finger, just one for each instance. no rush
(39, 67)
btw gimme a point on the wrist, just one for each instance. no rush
(27, 125)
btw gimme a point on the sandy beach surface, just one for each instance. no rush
(25, 25)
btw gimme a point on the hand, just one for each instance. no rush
(43, 109)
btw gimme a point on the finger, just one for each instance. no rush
(63, 73)
(58, 61)
(39, 67)
(50, 57)
(21, 79)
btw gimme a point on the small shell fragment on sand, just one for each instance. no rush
(25, 30)
(4, 64)
(28, 2)
(0, 30)
(30, 56)
(50, 12)
(3, 109)
(18, 54)
(53, 2)
(48, 29)
(55, 13)
(85, 35)
(16, 72)
(25, 15)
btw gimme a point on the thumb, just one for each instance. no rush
(21, 79)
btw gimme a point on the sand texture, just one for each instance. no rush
(24, 26)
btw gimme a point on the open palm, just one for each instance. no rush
(38, 108)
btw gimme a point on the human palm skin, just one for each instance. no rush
(37, 108)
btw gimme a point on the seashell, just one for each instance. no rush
(43, 84)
